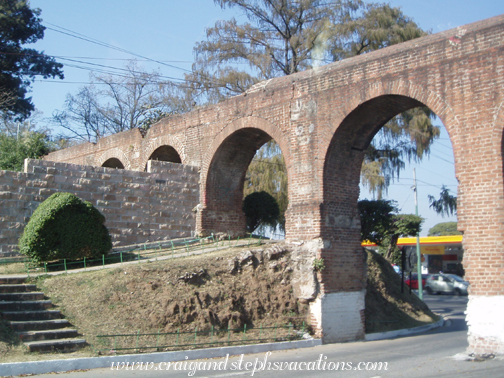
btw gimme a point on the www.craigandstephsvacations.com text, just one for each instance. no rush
(254, 366)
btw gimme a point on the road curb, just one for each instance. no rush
(58, 366)
(403, 332)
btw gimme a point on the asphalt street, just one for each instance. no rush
(436, 353)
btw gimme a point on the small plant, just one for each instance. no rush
(318, 265)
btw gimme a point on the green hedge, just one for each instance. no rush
(65, 227)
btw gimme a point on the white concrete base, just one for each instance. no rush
(485, 321)
(339, 316)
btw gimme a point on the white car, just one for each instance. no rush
(446, 283)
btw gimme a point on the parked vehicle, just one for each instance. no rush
(446, 283)
(413, 283)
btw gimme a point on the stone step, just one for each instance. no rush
(54, 334)
(12, 280)
(62, 345)
(31, 315)
(30, 296)
(34, 325)
(40, 329)
(24, 305)
(17, 288)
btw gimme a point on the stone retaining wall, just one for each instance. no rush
(138, 206)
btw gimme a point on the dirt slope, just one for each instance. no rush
(229, 288)
(386, 307)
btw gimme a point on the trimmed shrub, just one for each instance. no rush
(65, 227)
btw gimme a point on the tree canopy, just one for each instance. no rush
(22, 140)
(260, 209)
(13, 151)
(381, 224)
(444, 229)
(21, 25)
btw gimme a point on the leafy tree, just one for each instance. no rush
(13, 151)
(402, 225)
(407, 136)
(278, 40)
(22, 140)
(376, 219)
(112, 104)
(267, 173)
(446, 204)
(20, 25)
(444, 229)
(381, 224)
(260, 208)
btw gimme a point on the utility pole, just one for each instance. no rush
(419, 257)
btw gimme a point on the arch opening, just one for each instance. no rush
(343, 173)
(166, 153)
(224, 192)
(113, 163)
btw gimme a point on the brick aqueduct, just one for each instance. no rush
(323, 119)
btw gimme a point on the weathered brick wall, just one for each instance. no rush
(323, 119)
(138, 206)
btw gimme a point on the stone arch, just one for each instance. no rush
(165, 153)
(223, 172)
(114, 153)
(171, 143)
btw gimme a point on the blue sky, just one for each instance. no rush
(166, 31)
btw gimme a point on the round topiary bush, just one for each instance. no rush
(65, 227)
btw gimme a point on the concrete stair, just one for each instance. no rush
(31, 316)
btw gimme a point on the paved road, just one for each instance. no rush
(427, 355)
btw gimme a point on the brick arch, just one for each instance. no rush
(352, 129)
(164, 140)
(223, 171)
(357, 124)
(426, 97)
(362, 117)
(117, 154)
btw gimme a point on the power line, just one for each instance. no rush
(215, 82)
(92, 58)
(83, 37)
